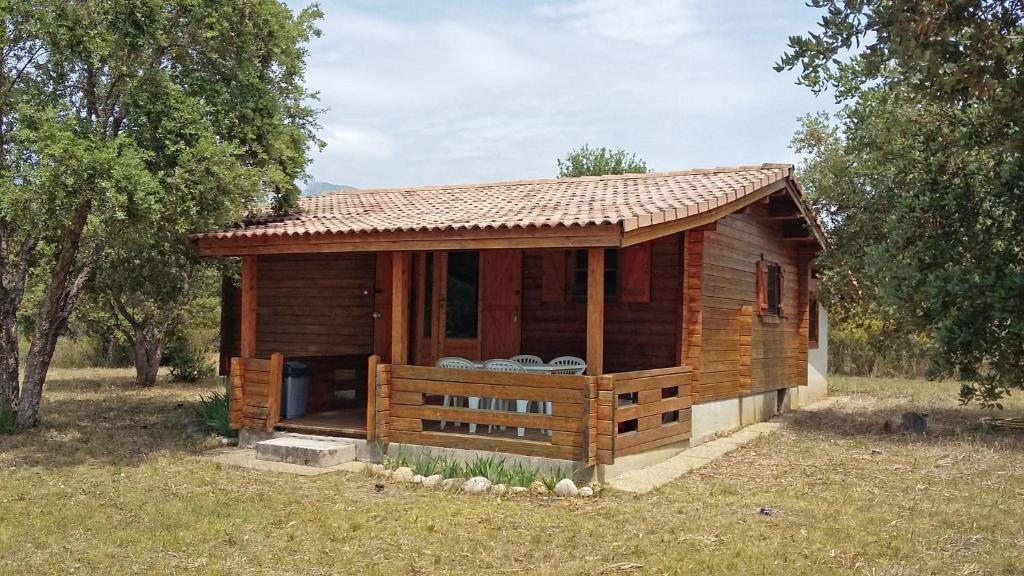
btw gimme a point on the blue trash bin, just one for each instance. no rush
(294, 389)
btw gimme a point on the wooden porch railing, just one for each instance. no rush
(255, 401)
(403, 413)
(642, 410)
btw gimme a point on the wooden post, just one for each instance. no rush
(383, 385)
(401, 273)
(693, 307)
(274, 390)
(247, 334)
(371, 398)
(595, 311)
(235, 400)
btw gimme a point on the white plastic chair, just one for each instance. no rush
(527, 359)
(515, 367)
(572, 365)
(456, 401)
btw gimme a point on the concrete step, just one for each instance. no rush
(306, 451)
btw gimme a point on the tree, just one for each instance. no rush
(924, 186)
(587, 161)
(123, 126)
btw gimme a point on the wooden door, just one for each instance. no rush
(458, 275)
(382, 307)
(501, 303)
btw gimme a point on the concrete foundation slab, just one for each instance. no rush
(758, 407)
(306, 451)
(246, 458)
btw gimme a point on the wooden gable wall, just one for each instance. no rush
(777, 353)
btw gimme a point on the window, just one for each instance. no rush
(774, 289)
(812, 320)
(579, 274)
(769, 288)
(463, 282)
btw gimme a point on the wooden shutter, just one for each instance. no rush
(762, 287)
(635, 273)
(554, 278)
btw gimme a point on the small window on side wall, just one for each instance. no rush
(769, 288)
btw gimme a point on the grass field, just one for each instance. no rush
(110, 484)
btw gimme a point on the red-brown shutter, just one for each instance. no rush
(635, 273)
(553, 280)
(762, 287)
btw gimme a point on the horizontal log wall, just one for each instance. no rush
(315, 305)
(636, 335)
(648, 409)
(403, 408)
(730, 254)
(255, 402)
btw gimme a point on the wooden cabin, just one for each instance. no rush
(677, 289)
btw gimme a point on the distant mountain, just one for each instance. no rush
(314, 188)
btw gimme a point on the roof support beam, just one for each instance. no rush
(595, 311)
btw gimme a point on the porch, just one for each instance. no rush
(411, 308)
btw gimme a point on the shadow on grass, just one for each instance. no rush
(106, 420)
(945, 424)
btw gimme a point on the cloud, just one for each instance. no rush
(444, 93)
(643, 21)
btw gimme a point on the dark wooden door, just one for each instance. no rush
(501, 303)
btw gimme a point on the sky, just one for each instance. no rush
(429, 92)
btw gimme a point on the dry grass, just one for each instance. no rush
(110, 485)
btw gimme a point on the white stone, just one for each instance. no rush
(586, 492)
(537, 487)
(432, 481)
(499, 489)
(566, 488)
(403, 474)
(377, 469)
(417, 479)
(476, 485)
(517, 490)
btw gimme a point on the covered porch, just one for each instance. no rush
(372, 327)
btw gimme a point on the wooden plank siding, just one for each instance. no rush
(729, 369)
(637, 335)
(404, 392)
(315, 305)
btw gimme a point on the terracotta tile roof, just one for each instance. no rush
(630, 200)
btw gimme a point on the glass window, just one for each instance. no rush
(774, 282)
(611, 275)
(463, 284)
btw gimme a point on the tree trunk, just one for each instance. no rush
(148, 349)
(8, 363)
(62, 293)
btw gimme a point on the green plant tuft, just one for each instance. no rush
(450, 467)
(214, 412)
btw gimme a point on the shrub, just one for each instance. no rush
(187, 361)
(450, 467)
(521, 475)
(425, 465)
(214, 412)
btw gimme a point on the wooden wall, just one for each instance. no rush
(637, 336)
(777, 344)
(315, 305)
